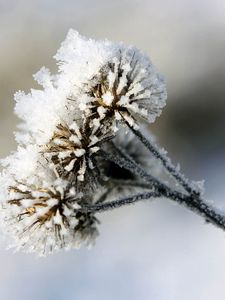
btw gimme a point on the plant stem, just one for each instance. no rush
(208, 212)
(101, 207)
(165, 161)
(193, 201)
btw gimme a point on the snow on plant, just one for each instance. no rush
(83, 148)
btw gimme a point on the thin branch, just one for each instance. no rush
(165, 161)
(105, 195)
(119, 183)
(193, 201)
(129, 164)
(208, 212)
(101, 207)
(197, 205)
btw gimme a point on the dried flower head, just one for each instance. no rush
(106, 81)
(46, 219)
(125, 87)
(72, 149)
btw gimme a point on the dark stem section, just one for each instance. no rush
(165, 161)
(208, 212)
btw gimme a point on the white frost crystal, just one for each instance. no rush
(99, 84)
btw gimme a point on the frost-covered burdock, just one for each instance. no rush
(71, 153)
(110, 81)
(74, 156)
(40, 212)
(127, 86)
(97, 81)
(44, 219)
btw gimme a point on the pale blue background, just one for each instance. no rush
(156, 251)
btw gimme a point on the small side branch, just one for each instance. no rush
(199, 206)
(101, 207)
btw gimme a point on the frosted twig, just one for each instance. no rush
(115, 184)
(165, 161)
(105, 195)
(100, 207)
(129, 164)
(193, 202)
(209, 213)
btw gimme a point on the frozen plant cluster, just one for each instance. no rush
(99, 86)
(84, 148)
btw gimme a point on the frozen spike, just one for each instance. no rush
(80, 177)
(94, 149)
(75, 127)
(73, 138)
(70, 166)
(101, 111)
(57, 219)
(79, 152)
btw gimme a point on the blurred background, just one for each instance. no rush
(156, 251)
